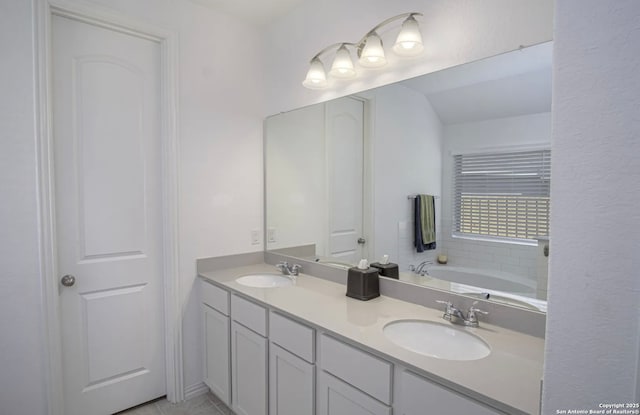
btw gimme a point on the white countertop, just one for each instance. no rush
(509, 375)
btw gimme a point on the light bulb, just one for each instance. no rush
(372, 55)
(342, 66)
(316, 76)
(409, 41)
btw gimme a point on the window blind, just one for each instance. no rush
(502, 195)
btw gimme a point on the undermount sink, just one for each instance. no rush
(436, 340)
(265, 280)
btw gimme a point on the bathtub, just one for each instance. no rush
(502, 287)
(487, 279)
(330, 261)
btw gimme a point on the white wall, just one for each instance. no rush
(497, 134)
(406, 145)
(220, 145)
(296, 178)
(220, 149)
(592, 345)
(454, 32)
(22, 387)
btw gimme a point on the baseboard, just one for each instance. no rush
(197, 389)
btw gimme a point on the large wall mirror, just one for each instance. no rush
(341, 177)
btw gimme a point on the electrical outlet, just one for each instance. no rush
(271, 235)
(255, 237)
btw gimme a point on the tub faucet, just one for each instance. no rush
(421, 268)
(292, 270)
(454, 315)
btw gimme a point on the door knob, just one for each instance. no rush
(362, 241)
(68, 280)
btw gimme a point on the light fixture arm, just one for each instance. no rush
(332, 47)
(360, 44)
(386, 22)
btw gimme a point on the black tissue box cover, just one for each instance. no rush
(387, 270)
(363, 284)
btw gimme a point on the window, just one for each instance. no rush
(502, 196)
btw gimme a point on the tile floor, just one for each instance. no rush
(207, 404)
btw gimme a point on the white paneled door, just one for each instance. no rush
(106, 139)
(345, 179)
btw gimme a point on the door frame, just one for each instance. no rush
(368, 209)
(44, 10)
(368, 108)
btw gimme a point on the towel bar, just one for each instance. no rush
(414, 196)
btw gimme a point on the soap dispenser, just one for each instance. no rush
(362, 282)
(386, 268)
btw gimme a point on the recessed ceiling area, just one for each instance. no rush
(508, 85)
(528, 93)
(254, 11)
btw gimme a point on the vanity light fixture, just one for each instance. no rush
(369, 49)
(316, 77)
(409, 41)
(372, 55)
(342, 66)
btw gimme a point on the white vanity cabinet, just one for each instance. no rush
(291, 367)
(352, 381)
(340, 398)
(249, 357)
(215, 317)
(263, 361)
(292, 383)
(420, 396)
(248, 371)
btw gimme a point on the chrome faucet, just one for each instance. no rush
(421, 269)
(472, 316)
(292, 270)
(454, 315)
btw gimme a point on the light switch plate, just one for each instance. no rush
(255, 237)
(271, 235)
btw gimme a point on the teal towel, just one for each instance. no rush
(428, 219)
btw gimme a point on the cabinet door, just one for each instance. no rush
(291, 383)
(419, 396)
(216, 353)
(358, 368)
(339, 398)
(248, 371)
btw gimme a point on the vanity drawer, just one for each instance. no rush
(215, 297)
(292, 336)
(360, 369)
(250, 315)
(418, 393)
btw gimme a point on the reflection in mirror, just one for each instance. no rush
(342, 177)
